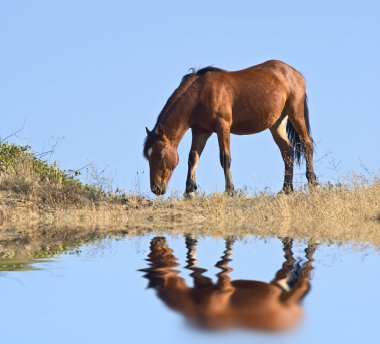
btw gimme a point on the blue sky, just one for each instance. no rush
(98, 72)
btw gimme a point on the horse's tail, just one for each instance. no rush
(293, 136)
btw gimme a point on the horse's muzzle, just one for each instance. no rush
(158, 191)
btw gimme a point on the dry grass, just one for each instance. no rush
(326, 214)
(42, 208)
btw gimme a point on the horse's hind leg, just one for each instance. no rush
(297, 113)
(281, 138)
(303, 276)
(197, 145)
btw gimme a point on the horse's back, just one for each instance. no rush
(272, 65)
(269, 72)
(268, 76)
(251, 99)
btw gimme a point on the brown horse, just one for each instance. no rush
(269, 95)
(250, 304)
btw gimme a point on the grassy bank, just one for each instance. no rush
(37, 197)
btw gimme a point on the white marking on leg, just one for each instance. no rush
(283, 283)
(194, 167)
(189, 195)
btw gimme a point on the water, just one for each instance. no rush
(98, 293)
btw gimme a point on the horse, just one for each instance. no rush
(247, 304)
(269, 95)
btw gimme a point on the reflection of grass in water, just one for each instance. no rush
(21, 264)
(28, 254)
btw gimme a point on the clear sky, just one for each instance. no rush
(98, 72)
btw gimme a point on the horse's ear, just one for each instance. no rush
(148, 132)
(159, 130)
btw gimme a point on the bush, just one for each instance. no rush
(26, 174)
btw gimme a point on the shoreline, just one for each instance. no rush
(322, 215)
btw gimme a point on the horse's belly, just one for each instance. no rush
(256, 109)
(252, 125)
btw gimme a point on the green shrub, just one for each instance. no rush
(24, 173)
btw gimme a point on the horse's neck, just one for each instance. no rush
(175, 129)
(176, 120)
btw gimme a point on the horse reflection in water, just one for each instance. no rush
(249, 304)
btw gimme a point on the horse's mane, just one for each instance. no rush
(185, 83)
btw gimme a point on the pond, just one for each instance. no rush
(170, 289)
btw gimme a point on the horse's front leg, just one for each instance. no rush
(223, 132)
(197, 145)
(199, 279)
(224, 280)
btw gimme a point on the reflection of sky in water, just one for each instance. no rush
(97, 295)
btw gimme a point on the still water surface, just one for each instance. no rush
(175, 289)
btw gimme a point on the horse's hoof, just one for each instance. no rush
(285, 191)
(231, 193)
(313, 187)
(189, 195)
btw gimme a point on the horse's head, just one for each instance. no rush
(162, 157)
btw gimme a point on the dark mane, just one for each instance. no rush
(153, 137)
(209, 69)
(185, 78)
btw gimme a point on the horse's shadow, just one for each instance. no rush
(249, 304)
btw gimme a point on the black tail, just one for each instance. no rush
(295, 140)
